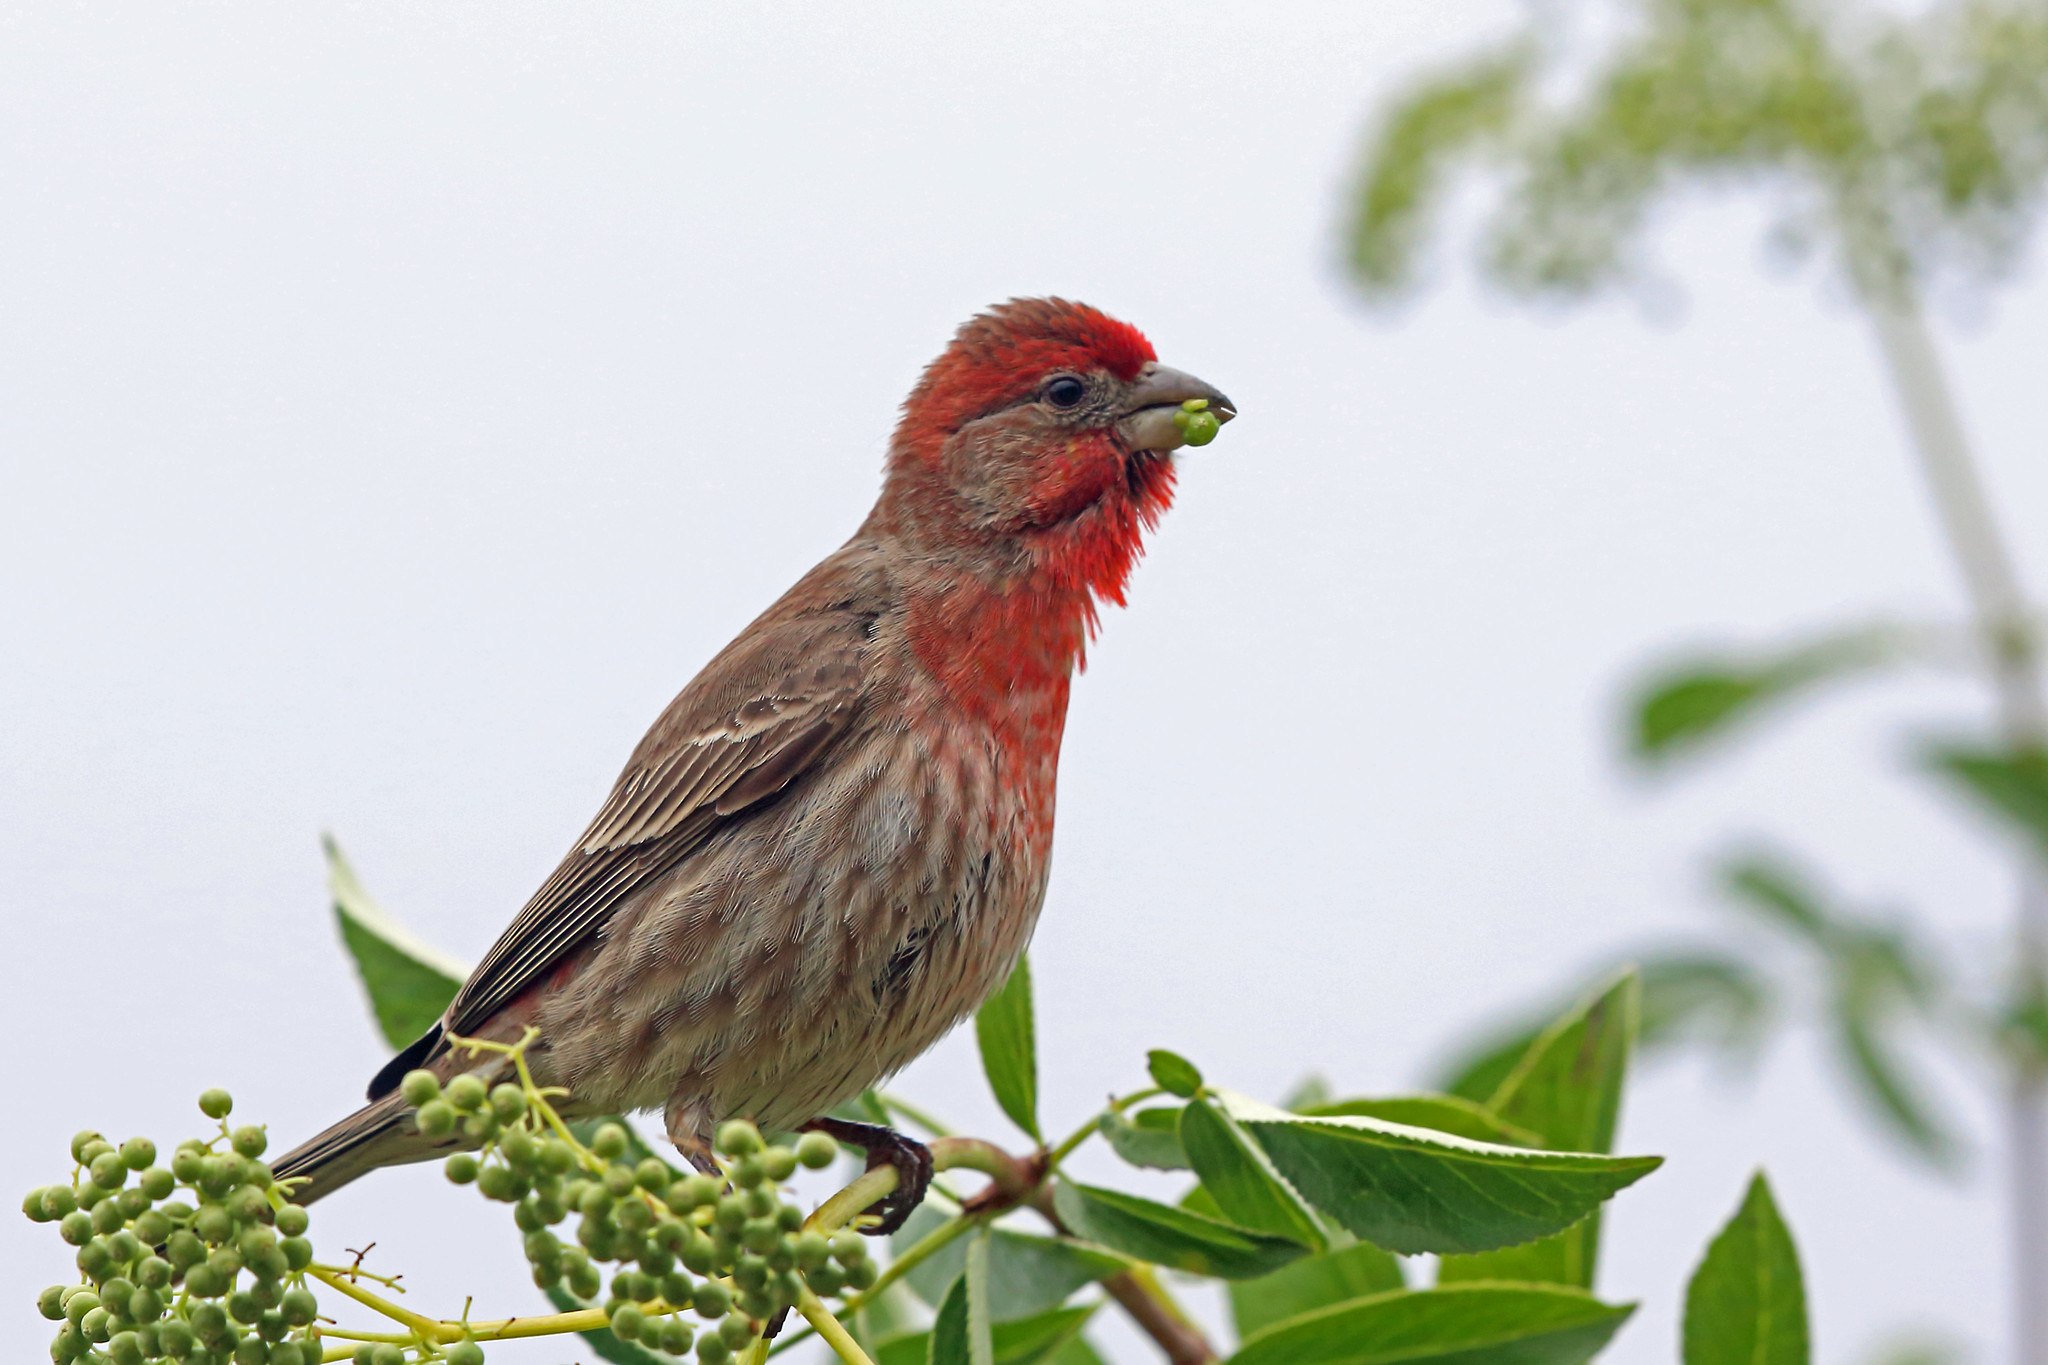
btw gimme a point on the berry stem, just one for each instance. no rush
(831, 1329)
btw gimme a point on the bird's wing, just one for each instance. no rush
(739, 734)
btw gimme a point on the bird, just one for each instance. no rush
(833, 845)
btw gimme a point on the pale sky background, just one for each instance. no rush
(399, 403)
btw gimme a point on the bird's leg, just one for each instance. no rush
(885, 1147)
(689, 1128)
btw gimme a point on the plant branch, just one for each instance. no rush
(2005, 623)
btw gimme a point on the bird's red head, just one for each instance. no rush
(1032, 457)
(1040, 444)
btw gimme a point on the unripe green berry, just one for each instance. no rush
(736, 1332)
(826, 1279)
(698, 1254)
(481, 1126)
(436, 1118)
(466, 1092)
(184, 1249)
(176, 1338)
(157, 1183)
(214, 1224)
(298, 1252)
(186, 1164)
(676, 1288)
(609, 1142)
(50, 1303)
(82, 1140)
(299, 1307)
(58, 1201)
(420, 1088)
(125, 1349)
(249, 1141)
(498, 1182)
(653, 1174)
(153, 1273)
(556, 1156)
(760, 1234)
(292, 1220)
(76, 1228)
(464, 1353)
(109, 1172)
(693, 1192)
(79, 1304)
(618, 1181)
(508, 1102)
(216, 1103)
(462, 1168)
(106, 1216)
(738, 1138)
(633, 1215)
(748, 1172)
(145, 1304)
(815, 1151)
(139, 1153)
(291, 1353)
(225, 1260)
(779, 1162)
(861, 1274)
(243, 1308)
(676, 1336)
(519, 1149)
(205, 1281)
(95, 1324)
(712, 1351)
(626, 1322)
(711, 1299)
(387, 1354)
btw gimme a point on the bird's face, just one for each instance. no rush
(1045, 428)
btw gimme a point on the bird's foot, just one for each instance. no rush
(885, 1147)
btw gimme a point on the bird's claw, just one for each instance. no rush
(911, 1159)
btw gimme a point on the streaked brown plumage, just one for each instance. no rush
(833, 845)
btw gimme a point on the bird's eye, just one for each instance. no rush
(1065, 392)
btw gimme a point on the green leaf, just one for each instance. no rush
(1746, 1304)
(1411, 1190)
(1567, 1091)
(1027, 1274)
(2011, 783)
(1148, 1138)
(1310, 1283)
(1240, 1178)
(1173, 1073)
(1464, 1324)
(1168, 1236)
(1009, 1052)
(1703, 997)
(1418, 143)
(409, 983)
(962, 1334)
(1443, 1113)
(607, 1346)
(1686, 704)
(1476, 1073)
(1882, 1080)
(1775, 889)
(1045, 1339)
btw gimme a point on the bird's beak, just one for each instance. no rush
(1148, 422)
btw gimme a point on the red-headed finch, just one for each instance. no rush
(832, 846)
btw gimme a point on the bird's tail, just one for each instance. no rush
(381, 1133)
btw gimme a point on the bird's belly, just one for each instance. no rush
(795, 961)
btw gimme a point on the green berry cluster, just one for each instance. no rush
(1198, 426)
(201, 1262)
(679, 1261)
